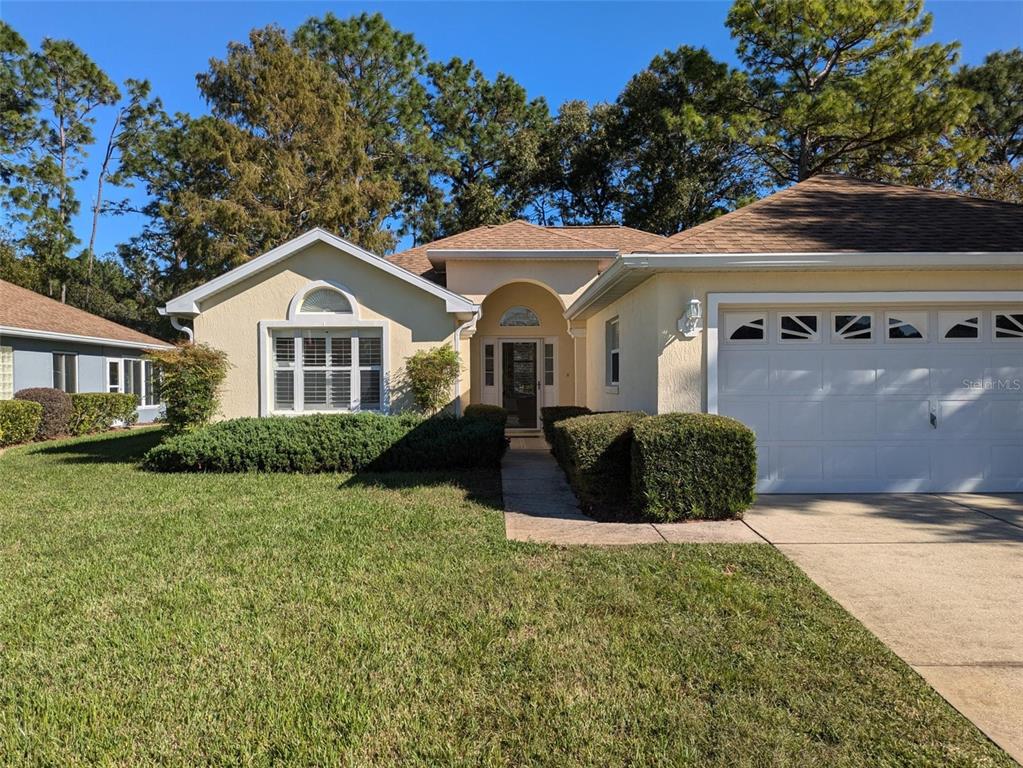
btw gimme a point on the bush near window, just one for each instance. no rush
(190, 377)
(349, 442)
(97, 411)
(594, 451)
(56, 410)
(19, 421)
(431, 374)
(693, 466)
(484, 411)
(552, 414)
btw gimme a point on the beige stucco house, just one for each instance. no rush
(871, 335)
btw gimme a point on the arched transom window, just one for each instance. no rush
(325, 301)
(519, 317)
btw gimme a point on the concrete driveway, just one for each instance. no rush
(939, 578)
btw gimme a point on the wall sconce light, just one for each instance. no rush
(690, 324)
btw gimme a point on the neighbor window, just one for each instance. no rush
(65, 372)
(548, 365)
(6, 373)
(113, 376)
(327, 370)
(612, 363)
(134, 377)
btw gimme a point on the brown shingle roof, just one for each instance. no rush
(831, 213)
(22, 308)
(522, 235)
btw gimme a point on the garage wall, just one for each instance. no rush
(681, 362)
(230, 320)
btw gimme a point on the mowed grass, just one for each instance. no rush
(384, 620)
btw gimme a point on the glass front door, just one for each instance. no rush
(519, 383)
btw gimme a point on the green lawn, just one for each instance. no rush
(384, 620)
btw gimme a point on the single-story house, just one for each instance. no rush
(870, 334)
(44, 343)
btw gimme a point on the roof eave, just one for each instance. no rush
(440, 256)
(635, 268)
(35, 333)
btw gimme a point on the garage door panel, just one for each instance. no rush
(850, 418)
(851, 414)
(796, 420)
(795, 373)
(747, 373)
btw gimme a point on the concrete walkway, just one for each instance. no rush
(939, 579)
(540, 507)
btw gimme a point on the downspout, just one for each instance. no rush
(458, 350)
(176, 324)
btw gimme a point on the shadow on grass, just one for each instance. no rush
(124, 447)
(481, 486)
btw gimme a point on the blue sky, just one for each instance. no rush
(556, 50)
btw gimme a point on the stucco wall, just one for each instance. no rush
(681, 380)
(552, 324)
(230, 320)
(477, 279)
(640, 340)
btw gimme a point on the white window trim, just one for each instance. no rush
(715, 301)
(119, 362)
(318, 322)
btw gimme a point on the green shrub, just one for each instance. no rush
(56, 410)
(333, 443)
(693, 466)
(19, 421)
(484, 411)
(431, 374)
(96, 411)
(552, 414)
(190, 377)
(595, 452)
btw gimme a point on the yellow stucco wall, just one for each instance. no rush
(477, 279)
(663, 371)
(229, 321)
(552, 324)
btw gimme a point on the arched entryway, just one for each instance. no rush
(522, 354)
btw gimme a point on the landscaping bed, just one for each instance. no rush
(382, 619)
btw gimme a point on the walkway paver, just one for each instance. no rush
(939, 579)
(540, 507)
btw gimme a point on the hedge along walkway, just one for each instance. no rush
(539, 506)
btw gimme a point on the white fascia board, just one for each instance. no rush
(31, 333)
(443, 255)
(693, 262)
(187, 304)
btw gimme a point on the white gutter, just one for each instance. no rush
(31, 333)
(176, 324)
(693, 262)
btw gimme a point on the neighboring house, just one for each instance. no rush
(44, 343)
(871, 335)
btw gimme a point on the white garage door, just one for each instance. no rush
(877, 398)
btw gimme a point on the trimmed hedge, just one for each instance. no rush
(693, 466)
(333, 443)
(19, 421)
(552, 414)
(594, 451)
(56, 410)
(97, 411)
(484, 411)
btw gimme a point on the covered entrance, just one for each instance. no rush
(520, 385)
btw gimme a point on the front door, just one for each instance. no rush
(519, 383)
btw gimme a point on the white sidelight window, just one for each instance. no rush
(65, 372)
(612, 363)
(326, 369)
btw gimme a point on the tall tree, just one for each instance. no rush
(997, 119)
(848, 87)
(132, 133)
(383, 71)
(684, 132)
(282, 151)
(18, 106)
(488, 134)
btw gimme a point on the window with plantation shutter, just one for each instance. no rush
(326, 370)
